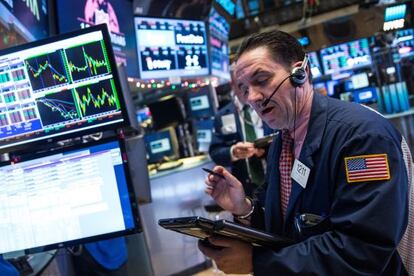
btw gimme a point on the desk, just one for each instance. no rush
(175, 193)
(38, 261)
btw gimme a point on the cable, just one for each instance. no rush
(294, 123)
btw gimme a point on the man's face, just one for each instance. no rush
(257, 76)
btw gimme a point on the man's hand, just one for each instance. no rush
(243, 150)
(228, 192)
(234, 258)
(259, 153)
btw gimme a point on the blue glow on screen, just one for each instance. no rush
(395, 12)
(228, 5)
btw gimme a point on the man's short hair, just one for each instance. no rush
(285, 49)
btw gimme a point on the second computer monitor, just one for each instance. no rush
(59, 199)
(162, 145)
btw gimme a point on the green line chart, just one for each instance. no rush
(46, 71)
(87, 61)
(96, 99)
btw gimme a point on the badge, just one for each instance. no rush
(229, 124)
(364, 168)
(300, 173)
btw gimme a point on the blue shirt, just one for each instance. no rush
(6, 269)
(111, 254)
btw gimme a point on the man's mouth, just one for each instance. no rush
(267, 110)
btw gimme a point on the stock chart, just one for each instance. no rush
(96, 98)
(57, 108)
(46, 71)
(87, 61)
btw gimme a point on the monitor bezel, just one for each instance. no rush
(131, 194)
(185, 77)
(18, 144)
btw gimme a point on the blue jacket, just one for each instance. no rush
(6, 269)
(363, 221)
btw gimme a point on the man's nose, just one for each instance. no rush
(254, 96)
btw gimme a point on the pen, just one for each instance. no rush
(214, 173)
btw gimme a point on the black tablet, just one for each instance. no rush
(202, 228)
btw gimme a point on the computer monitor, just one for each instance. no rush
(315, 66)
(167, 111)
(360, 80)
(201, 103)
(394, 17)
(365, 95)
(345, 56)
(203, 130)
(66, 85)
(404, 41)
(219, 30)
(171, 48)
(162, 144)
(67, 197)
(228, 5)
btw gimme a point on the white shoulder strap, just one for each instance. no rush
(406, 246)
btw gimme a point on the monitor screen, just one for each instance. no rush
(161, 144)
(200, 103)
(304, 41)
(228, 5)
(204, 134)
(366, 95)
(171, 48)
(219, 45)
(360, 80)
(118, 15)
(395, 12)
(168, 111)
(346, 56)
(66, 85)
(315, 66)
(394, 17)
(404, 40)
(30, 18)
(59, 199)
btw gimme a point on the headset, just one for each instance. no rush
(297, 76)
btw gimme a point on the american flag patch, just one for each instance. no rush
(367, 168)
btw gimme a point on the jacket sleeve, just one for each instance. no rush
(367, 221)
(219, 149)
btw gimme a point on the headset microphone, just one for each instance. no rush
(266, 102)
(297, 76)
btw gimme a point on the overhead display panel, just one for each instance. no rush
(219, 45)
(118, 15)
(29, 17)
(171, 48)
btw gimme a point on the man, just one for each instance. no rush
(346, 203)
(235, 126)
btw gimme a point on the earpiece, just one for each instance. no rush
(298, 76)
